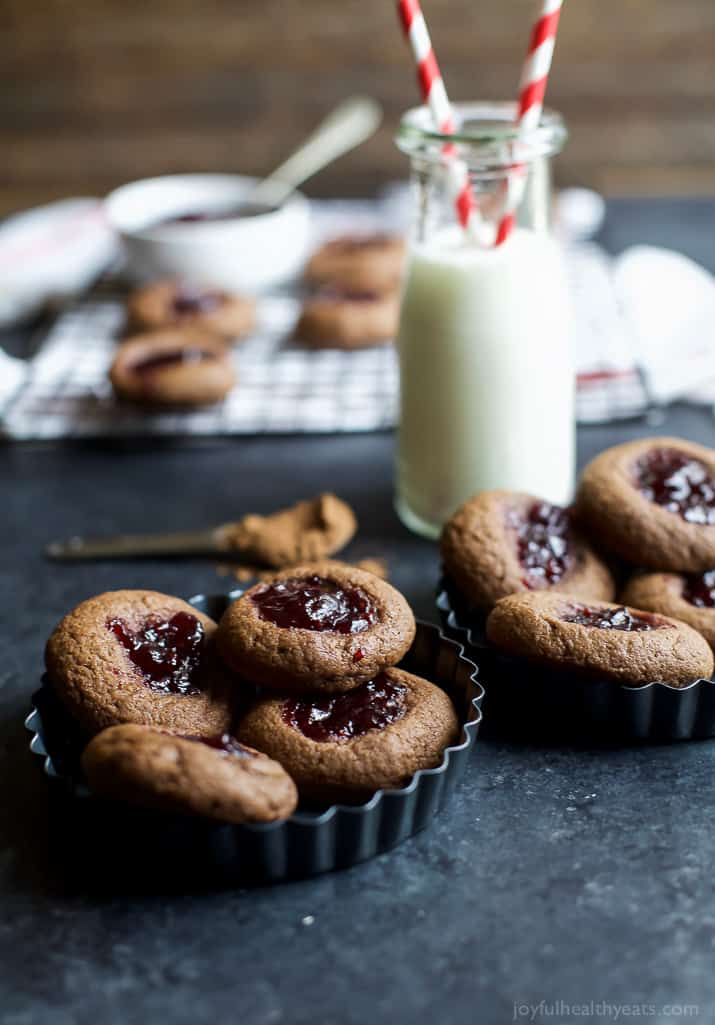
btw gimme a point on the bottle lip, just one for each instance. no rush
(485, 134)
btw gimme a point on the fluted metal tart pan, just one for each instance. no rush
(540, 704)
(309, 842)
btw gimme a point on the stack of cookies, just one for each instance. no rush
(354, 302)
(321, 644)
(178, 349)
(294, 693)
(546, 578)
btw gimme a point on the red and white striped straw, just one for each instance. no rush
(534, 79)
(434, 94)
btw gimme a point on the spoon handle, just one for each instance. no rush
(344, 128)
(127, 546)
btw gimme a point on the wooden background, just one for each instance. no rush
(96, 92)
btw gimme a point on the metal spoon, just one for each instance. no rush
(286, 535)
(213, 541)
(351, 123)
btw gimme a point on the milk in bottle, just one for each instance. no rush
(486, 372)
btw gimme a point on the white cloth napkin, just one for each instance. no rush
(643, 330)
(48, 254)
(51, 252)
(668, 302)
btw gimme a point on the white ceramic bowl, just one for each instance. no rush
(239, 254)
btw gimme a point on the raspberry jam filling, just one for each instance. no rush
(699, 589)
(370, 706)
(678, 483)
(189, 301)
(225, 743)
(210, 216)
(166, 652)
(611, 619)
(172, 357)
(313, 603)
(543, 543)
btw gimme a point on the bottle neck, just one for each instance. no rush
(493, 193)
(488, 148)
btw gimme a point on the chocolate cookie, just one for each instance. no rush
(612, 641)
(306, 531)
(359, 263)
(173, 368)
(169, 304)
(502, 542)
(689, 597)
(342, 319)
(321, 627)
(216, 777)
(140, 657)
(346, 746)
(653, 503)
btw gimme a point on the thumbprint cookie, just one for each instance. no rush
(167, 304)
(503, 542)
(653, 503)
(217, 777)
(140, 657)
(615, 642)
(173, 368)
(320, 627)
(346, 746)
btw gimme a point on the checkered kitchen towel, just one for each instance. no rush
(64, 391)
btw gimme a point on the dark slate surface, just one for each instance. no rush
(555, 874)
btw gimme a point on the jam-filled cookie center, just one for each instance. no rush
(225, 743)
(699, 589)
(678, 483)
(370, 706)
(610, 619)
(167, 652)
(186, 356)
(543, 537)
(314, 603)
(189, 302)
(231, 213)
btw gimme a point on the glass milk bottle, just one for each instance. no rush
(486, 372)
